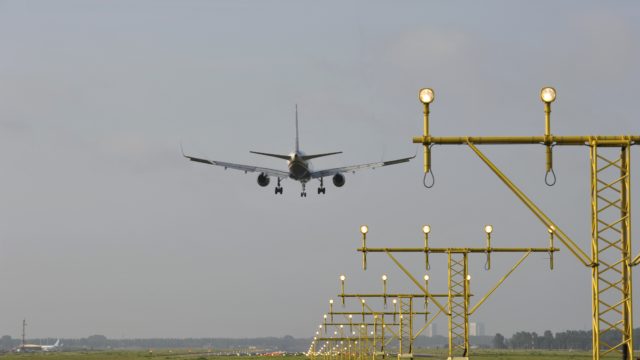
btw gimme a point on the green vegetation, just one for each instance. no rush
(200, 355)
(129, 355)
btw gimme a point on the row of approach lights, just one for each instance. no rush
(364, 229)
(547, 95)
(426, 229)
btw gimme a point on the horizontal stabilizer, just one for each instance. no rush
(309, 157)
(283, 157)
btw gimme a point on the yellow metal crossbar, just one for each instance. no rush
(607, 140)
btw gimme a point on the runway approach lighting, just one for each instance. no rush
(426, 96)
(488, 229)
(548, 94)
(364, 229)
(342, 279)
(426, 230)
(331, 308)
(384, 289)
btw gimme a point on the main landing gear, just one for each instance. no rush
(322, 189)
(278, 188)
(304, 190)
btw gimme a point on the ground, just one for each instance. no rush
(183, 354)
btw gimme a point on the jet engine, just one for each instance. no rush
(338, 180)
(263, 179)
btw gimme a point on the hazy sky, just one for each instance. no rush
(106, 229)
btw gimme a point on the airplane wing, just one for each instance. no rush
(354, 168)
(246, 168)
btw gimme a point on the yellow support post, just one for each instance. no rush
(611, 251)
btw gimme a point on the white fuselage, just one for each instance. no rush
(299, 169)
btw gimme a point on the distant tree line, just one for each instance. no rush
(566, 340)
(101, 342)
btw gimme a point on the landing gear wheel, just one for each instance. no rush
(278, 190)
(303, 194)
(322, 190)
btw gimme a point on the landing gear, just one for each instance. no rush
(322, 189)
(278, 188)
(304, 190)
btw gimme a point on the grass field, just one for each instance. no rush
(182, 354)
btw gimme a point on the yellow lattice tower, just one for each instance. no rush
(458, 305)
(611, 245)
(406, 326)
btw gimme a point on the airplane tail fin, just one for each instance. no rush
(309, 157)
(57, 343)
(297, 134)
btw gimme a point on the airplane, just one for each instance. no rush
(37, 348)
(300, 168)
(53, 347)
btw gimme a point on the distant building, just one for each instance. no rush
(432, 330)
(476, 329)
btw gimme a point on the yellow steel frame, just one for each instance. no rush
(406, 314)
(610, 259)
(459, 294)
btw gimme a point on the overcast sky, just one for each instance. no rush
(106, 229)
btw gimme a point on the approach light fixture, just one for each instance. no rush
(426, 229)
(488, 229)
(548, 94)
(426, 96)
(468, 277)
(384, 277)
(364, 229)
(426, 278)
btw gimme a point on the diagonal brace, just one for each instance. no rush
(572, 246)
(415, 281)
(484, 298)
